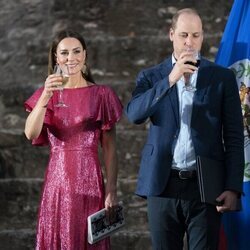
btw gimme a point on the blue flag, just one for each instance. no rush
(234, 52)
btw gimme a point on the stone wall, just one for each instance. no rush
(123, 36)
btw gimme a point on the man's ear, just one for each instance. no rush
(171, 33)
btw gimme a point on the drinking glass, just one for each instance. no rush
(196, 55)
(64, 72)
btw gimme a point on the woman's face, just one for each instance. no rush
(70, 53)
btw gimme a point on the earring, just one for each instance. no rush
(84, 69)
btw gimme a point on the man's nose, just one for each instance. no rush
(189, 41)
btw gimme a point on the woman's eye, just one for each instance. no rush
(64, 53)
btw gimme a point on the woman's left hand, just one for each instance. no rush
(110, 205)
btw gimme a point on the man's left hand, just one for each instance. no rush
(229, 199)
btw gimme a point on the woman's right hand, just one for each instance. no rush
(51, 84)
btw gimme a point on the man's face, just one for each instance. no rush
(186, 34)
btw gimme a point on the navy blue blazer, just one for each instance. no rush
(216, 124)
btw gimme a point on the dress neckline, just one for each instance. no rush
(83, 87)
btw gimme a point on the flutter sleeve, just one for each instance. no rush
(29, 104)
(110, 108)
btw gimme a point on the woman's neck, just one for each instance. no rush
(76, 81)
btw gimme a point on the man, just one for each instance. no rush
(204, 120)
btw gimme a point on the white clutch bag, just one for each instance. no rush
(99, 227)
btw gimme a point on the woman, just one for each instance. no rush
(73, 186)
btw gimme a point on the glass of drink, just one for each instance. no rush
(196, 55)
(64, 73)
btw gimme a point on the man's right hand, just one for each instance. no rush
(182, 67)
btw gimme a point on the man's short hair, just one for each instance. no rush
(178, 13)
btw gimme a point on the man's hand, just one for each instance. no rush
(229, 199)
(182, 67)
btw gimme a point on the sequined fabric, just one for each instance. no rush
(73, 186)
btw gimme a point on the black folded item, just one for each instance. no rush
(99, 227)
(211, 178)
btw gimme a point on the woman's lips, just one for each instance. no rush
(72, 65)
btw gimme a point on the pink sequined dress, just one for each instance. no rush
(73, 186)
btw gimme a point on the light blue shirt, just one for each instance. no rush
(183, 151)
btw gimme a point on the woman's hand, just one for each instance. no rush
(110, 200)
(110, 205)
(51, 84)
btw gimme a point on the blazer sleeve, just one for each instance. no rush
(233, 134)
(150, 88)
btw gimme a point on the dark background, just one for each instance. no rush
(123, 36)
